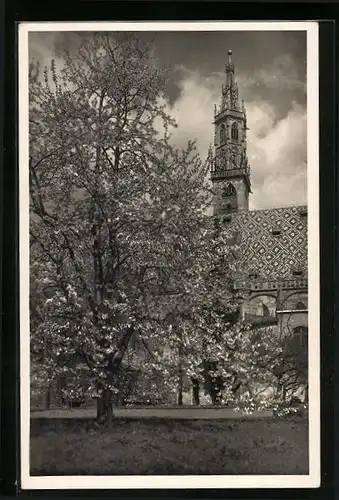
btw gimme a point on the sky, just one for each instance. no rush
(270, 68)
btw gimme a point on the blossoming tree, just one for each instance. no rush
(121, 246)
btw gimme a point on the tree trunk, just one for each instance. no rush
(306, 394)
(48, 398)
(105, 408)
(180, 398)
(180, 385)
(280, 391)
(213, 396)
(196, 391)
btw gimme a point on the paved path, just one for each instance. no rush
(175, 413)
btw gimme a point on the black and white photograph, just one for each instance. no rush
(169, 255)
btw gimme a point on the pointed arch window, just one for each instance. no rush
(300, 334)
(233, 161)
(229, 194)
(222, 134)
(234, 132)
(229, 191)
(265, 310)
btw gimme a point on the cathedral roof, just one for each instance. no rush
(272, 243)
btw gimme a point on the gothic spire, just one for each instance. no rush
(230, 95)
(230, 171)
(229, 64)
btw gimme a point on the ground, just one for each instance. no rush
(169, 446)
(176, 412)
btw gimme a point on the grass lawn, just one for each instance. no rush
(160, 446)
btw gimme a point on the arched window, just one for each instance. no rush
(234, 132)
(300, 334)
(222, 133)
(229, 191)
(300, 305)
(265, 310)
(233, 161)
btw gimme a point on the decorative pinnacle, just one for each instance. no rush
(229, 65)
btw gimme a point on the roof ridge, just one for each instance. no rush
(273, 208)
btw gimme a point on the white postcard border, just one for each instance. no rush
(311, 480)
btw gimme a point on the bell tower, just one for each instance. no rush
(230, 172)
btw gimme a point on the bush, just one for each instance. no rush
(292, 408)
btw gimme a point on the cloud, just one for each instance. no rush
(277, 124)
(261, 117)
(281, 73)
(42, 51)
(277, 157)
(42, 46)
(276, 145)
(194, 109)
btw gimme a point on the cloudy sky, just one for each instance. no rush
(271, 73)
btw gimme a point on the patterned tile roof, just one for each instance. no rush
(272, 242)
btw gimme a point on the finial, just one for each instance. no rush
(229, 56)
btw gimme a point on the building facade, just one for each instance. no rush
(272, 243)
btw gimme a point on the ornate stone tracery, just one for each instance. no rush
(272, 243)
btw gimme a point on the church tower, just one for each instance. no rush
(230, 172)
